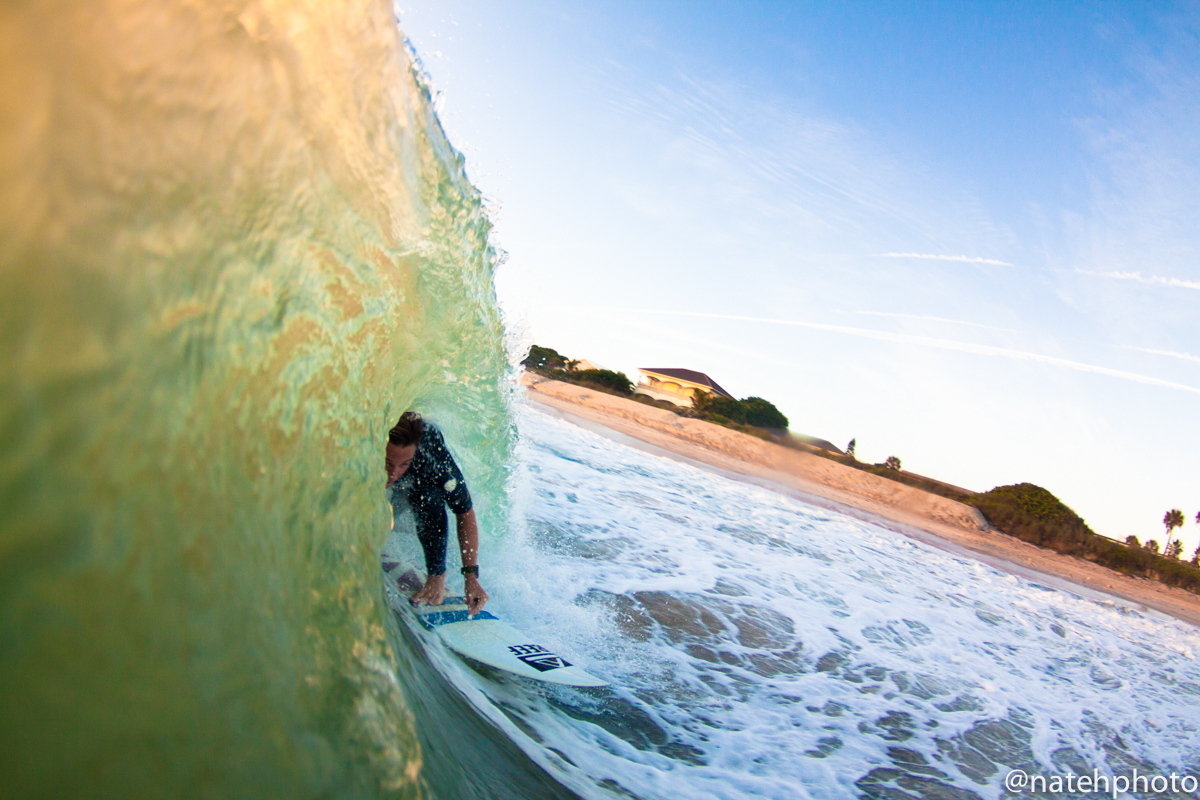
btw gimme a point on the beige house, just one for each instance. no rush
(676, 386)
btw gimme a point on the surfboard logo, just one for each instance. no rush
(538, 657)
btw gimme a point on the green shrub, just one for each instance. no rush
(1035, 515)
(753, 411)
(763, 414)
(545, 358)
(605, 379)
(716, 405)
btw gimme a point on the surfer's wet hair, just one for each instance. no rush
(408, 430)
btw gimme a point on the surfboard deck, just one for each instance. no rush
(489, 640)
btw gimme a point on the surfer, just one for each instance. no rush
(422, 475)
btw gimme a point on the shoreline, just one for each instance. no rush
(932, 519)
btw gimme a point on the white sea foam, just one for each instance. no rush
(761, 647)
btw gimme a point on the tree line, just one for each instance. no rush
(1174, 549)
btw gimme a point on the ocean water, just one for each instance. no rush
(762, 647)
(234, 245)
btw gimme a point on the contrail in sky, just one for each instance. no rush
(925, 318)
(1140, 278)
(932, 257)
(926, 341)
(1171, 353)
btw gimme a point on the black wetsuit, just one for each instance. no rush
(432, 482)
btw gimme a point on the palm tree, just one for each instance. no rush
(1196, 555)
(1173, 519)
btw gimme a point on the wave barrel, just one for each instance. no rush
(234, 246)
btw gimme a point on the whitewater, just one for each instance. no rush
(762, 647)
(235, 244)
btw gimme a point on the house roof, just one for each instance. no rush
(689, 375)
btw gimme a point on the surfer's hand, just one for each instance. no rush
(476, 597)
(432, 593)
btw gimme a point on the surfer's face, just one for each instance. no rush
(398, 460)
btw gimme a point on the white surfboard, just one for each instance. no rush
(488, 640)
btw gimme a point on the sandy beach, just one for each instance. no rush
(935, 520)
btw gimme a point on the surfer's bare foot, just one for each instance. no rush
(432, 593)
(476, 597)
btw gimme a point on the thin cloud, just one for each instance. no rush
(933, 257)
(924, 318)
(926, 341)
(1171, 353)
(1140, 278)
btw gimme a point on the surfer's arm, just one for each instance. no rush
(468, 545)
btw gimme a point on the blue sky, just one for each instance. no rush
(964, 234)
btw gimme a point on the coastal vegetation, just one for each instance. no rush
(615, 382)
(545, 359)
(1024, 511)
(1034, 515)
(553, 364)
(753, 411)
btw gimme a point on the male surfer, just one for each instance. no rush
(422, 474)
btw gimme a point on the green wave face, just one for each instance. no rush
(234, 246)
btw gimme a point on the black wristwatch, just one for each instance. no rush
(471, 570)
